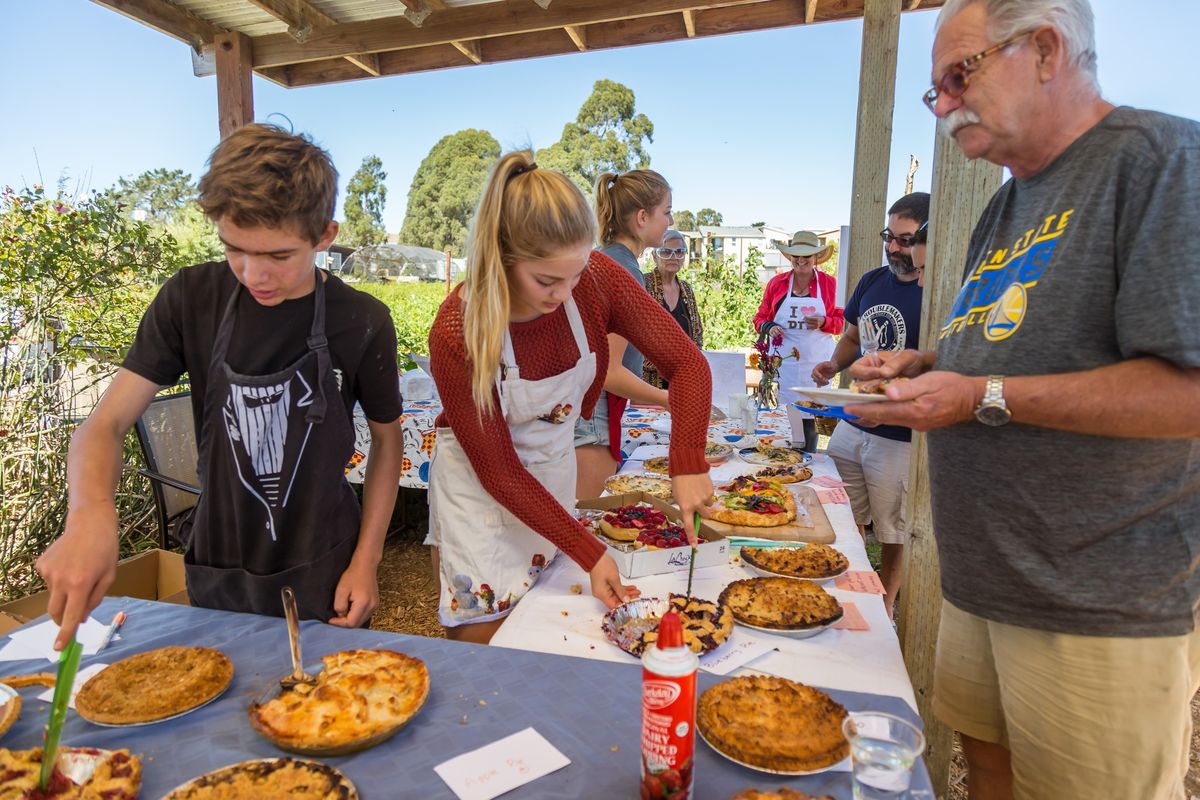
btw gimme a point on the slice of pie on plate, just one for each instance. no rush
(773, 724)
(154, 685)
(796, 473)
(657, 464)
(266, 778)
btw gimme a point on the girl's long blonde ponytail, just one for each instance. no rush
(618, 197)
(525, 213)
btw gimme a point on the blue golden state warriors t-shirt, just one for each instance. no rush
(1093, 261)
(894, 307)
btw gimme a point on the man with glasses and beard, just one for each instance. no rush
(882, 315)
(1063, 404)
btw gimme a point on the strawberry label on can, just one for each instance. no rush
(668, 739)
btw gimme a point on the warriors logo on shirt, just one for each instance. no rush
(997, 294)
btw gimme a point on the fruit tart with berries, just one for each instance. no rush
(626, 523)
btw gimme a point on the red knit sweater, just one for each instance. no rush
(609, 301)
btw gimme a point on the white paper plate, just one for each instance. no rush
(837, 397)
(836, 766)
(751, 455)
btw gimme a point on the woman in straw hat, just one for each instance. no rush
(799, 311)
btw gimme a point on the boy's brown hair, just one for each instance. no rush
(263, 176)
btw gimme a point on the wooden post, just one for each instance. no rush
(961, 189)
(873, 137)
(447, 270)
(235, 96)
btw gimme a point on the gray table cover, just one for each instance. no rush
(590, 710)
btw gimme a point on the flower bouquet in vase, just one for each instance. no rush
(767, 359)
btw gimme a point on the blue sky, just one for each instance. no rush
(758, 126)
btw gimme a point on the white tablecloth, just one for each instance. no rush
(864, 661)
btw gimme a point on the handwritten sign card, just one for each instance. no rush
(833, 495)
(501, 766)
(828, 481)
(865, 581)
(852, 619)
(737, 653)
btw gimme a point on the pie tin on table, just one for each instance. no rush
(345, 748)
(767, 573)
(754, 767)
(625, 624)
(752, 455)
(345, 790)
(795, 633)
(83, 712)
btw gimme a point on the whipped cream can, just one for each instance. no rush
(668, 714)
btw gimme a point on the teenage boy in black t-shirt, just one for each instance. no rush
(277, 353)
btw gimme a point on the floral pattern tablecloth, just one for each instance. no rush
(416, 425)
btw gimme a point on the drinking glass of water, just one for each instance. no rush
(883, 749)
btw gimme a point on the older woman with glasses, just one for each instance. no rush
(674, 295)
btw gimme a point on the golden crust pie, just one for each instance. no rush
(10, 710)
(715, 452)
(784, 793)
(653, 485)
(117, 776)
(269, 778)
(154, 685)
(659, 464)
(773, 723)
(754, 503)
(780, 603)
(809, 561)
(33, 679)
(793, 474)
(360, 695)
(775, 456)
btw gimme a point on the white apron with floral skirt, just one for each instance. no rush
(814, 346)
(489, 558)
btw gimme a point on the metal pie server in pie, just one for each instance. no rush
(298, 675)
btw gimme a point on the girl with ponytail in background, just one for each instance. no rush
(519, 351)
(634, 212)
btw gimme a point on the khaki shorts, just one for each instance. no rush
(1083, 716)
(875, 471)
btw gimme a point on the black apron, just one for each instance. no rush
(275, 509)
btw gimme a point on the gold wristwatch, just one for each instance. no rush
(992, 410)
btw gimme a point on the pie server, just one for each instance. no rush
(68, 665)
(298, 675)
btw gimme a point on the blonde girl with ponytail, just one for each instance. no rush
(519, 351)
(633, 210)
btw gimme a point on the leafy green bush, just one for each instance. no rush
(74, 281)
(413, 307)
(726, 299)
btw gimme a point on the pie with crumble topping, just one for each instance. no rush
(154, 685)
(784, 793)
(773, 724)
(780, 603)
(813, 561)
(360, 698)
(92, 775)
(269, 777)
(795, 473)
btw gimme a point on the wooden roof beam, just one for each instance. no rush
(689, 22)
(578, 36)
(367, 62)
(913, 5)
(168, 18)
(461, 23)
(545, 4)
(303, 17)
(416, 11)
(470, 49)
(810, 11)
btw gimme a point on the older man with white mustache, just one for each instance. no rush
(1063, 404)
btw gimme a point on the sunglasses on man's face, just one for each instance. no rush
(958, 76)
(670, 252)
(904, 240)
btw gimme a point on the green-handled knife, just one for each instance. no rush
(68, 665)
(692, 562)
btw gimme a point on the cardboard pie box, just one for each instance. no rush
(712, 550)
(153, 575)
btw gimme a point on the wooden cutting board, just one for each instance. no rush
(821, 531)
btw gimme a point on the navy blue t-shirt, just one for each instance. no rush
(894, 308)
